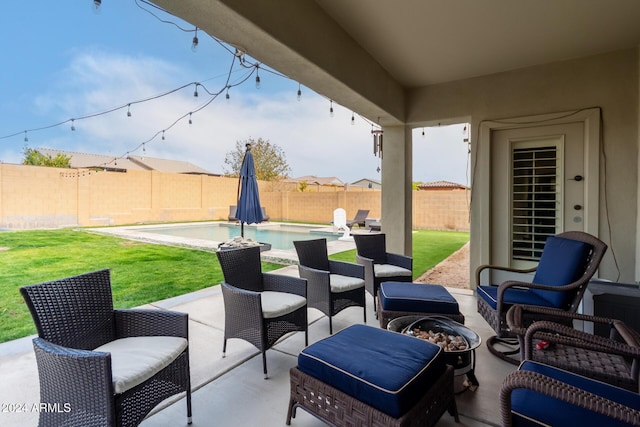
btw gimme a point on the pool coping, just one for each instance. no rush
(279, 256)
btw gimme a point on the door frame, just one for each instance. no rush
(590, 118)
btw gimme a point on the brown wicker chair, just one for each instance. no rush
(359, 219)
(494, 301)
(614, 360)
(332, 285)
(250, 312)
(539, 394)
(75, 316)
(380, 265)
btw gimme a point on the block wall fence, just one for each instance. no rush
(33, 197)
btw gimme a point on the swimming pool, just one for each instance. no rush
(280, 236)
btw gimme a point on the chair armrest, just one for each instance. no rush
(517, 314)
(87, 384)
(481, 268)
(400, 260)
(502, 288)
(564, 392)
(140, 323)
(281, 283)
(568, 336)
(318, 277)
(346, 269)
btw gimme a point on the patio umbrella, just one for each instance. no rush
(249, 209)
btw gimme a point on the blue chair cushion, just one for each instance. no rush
(511, 296)
(562, 262)
(528, 405)
(383, 369)
(419, 298)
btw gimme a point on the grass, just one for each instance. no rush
(140, 273)
(429, 248)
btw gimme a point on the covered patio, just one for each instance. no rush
(231, 391)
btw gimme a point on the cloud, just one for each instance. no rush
(313, 142)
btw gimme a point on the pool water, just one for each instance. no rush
(280, 236)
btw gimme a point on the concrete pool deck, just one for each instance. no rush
(281, 256)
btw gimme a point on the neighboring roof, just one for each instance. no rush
(366, 180)
(441, 185)
(310, 179)
(93, 161)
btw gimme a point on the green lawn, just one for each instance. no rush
(140, 272)
(429, 248)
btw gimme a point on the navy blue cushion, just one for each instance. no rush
(562, 262)
(529, 404)
(384, 369)
(511, 296)
(419, 298)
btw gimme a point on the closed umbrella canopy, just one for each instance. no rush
(249, 209)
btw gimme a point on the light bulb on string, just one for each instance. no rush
(26, 139)
(423, 132)
(128, 110)
(227, 95)
(72, 126)
(257, 78)
(331, 108)
(96, 6)
(299, 92)
(353, 119)
(195, 92)
(190, 121)
(144, 148)
(163, 135)
(194, 43)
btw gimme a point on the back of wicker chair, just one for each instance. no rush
(372, 249)
(241, 292)
(75, 315)
(316, 267)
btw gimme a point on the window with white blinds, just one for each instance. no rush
(534, 195)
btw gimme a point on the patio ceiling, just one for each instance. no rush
(367, 54)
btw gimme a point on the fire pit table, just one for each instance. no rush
(458, 341)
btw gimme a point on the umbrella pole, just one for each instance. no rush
(242, 229)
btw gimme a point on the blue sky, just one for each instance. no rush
(64, 61)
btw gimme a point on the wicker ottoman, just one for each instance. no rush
(397, 299)
(353, 378)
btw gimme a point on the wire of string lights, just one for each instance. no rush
(249, 67)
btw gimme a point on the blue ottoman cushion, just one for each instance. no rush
(383, 369)
(528, 405)
(410, 297)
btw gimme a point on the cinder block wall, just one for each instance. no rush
(43, 197)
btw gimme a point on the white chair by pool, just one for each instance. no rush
(340, 223)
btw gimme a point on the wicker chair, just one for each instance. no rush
(614, 360)
(380, 265)
(568, 262)
(539, 394)
(359, 219)
(97, 359)
(260, 307)
(332, 285)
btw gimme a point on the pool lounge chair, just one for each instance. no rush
(359, 219)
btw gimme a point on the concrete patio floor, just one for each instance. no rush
(231, 391)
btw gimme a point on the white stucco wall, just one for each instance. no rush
(608, 81)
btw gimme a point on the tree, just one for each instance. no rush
(35, 158)
(268, 158)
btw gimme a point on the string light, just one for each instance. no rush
(96, 6)
(227, 95)
(163, 135)
(195, 92)
(72, 126)
(331, 108)
(194, 43)
(257, 78)
(128, 110)
(299, 92)
(144, 149)
(423, 132)
(26, 139)
(353, 119)
(190, 121)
